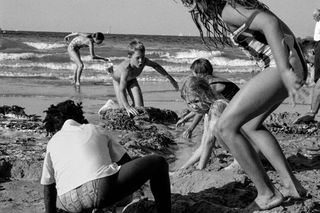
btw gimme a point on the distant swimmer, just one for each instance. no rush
(83, 40)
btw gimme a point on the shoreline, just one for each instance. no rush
(37, 96)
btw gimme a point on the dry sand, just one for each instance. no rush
(17, 196)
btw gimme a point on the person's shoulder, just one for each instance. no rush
(124, 65)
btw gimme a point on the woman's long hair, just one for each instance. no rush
(209, 18)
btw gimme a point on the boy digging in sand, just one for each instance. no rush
(126, 73)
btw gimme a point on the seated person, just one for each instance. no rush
(205, 101)
(85, 169)
(203, 68)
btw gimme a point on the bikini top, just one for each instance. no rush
(238, 38)
(77, 43)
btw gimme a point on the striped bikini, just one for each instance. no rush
(256, 47)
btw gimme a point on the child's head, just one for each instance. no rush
(197, 93)
(307, 47)
(57, 115)
(316, 15)
(136, 53)
(201, 67)
(97, 37)
(135, 45)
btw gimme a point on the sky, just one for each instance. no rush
(153, 17)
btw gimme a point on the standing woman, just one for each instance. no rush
(82, 40)
(259, 32)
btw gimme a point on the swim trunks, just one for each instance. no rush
(131, 82)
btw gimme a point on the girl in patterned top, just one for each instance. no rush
(83, 40)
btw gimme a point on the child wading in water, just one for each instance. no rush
(255, 29)
(203, 68)
(83, 40)
(126, 73)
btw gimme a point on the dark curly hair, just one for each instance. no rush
(56, 115)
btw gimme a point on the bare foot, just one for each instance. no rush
(295, 190)
(263, 203)
(233, 166)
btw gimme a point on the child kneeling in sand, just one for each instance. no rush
(203, 100)
(203, 68)
(126, 73)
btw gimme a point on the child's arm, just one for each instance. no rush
(163, 72)
(185, 119)
(208, 140)
(93, 55)
(193, 159)
(122, 93)
(188, 132)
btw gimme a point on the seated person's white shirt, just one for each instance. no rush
(78, 154)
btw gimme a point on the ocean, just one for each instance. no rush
(43, 55)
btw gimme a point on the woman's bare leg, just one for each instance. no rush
(270, 148)
(259, 95)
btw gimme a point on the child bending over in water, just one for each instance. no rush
(203, 68)
(82, 40)
(126, 73)
(260, 33)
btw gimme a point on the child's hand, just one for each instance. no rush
(180, 122)
(187, 133)
(132, 111)
(293, 84)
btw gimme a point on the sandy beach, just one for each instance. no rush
(23, 193)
